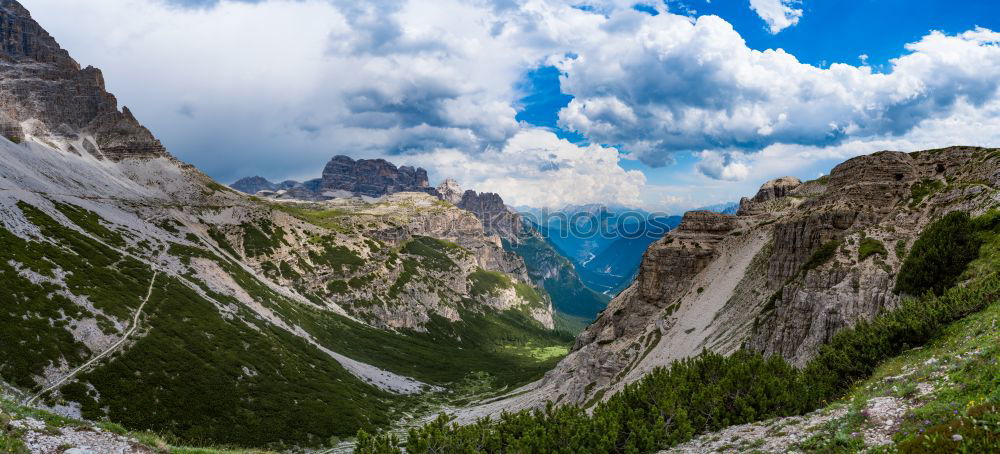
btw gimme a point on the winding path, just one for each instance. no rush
(109, 350)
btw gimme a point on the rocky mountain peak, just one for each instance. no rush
(772, 190)
(45, 95)
(24, 40)
(878, 179)
(451, 191)
(778, 187)
(489, 207)
(253, 185)
(372, 177)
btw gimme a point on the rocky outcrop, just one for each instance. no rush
(372, 177)
(867, 197)
(667, 269)
(772, 190)
(45, 94)
(776, 188)
(450, 191)
(497, 219)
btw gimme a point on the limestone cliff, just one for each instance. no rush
(800, 262)
(880, 202)
(371, 177)
(450, 191)
(44, 94)
(497, 219)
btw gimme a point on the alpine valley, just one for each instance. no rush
(147, 308)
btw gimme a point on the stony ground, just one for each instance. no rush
(880, 418)
(43, 438)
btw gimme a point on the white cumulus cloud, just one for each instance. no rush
(277, 87)
(537, 168)
(670, 84)
(778, 14)
(723, 166)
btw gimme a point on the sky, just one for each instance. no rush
(660, 105)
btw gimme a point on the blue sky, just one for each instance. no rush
(665, 106)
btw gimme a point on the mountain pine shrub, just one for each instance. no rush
(822, 255)
(942, 252)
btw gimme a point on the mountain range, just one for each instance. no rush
(147, 308)
(134, 285)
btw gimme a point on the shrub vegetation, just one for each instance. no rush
(822, 255)
(870, 247)
(940, 255)
(709, 392)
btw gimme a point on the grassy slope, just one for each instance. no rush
(268, 387)
(963, 367)
(188, 351)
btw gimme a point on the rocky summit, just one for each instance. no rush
(450, 191)
(372, 177)
(345, 177)
(46, 96)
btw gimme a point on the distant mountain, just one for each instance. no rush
(615, 267)
(722, 208)
(605, 243)
(253, 185)
(345, 177)
(550, 269)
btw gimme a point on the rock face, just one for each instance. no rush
(774, 189)
(867, 197)
(722, 283)
(667, 268)
(450, 191)
(497, 219)
(45, 94)
(372, 177)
